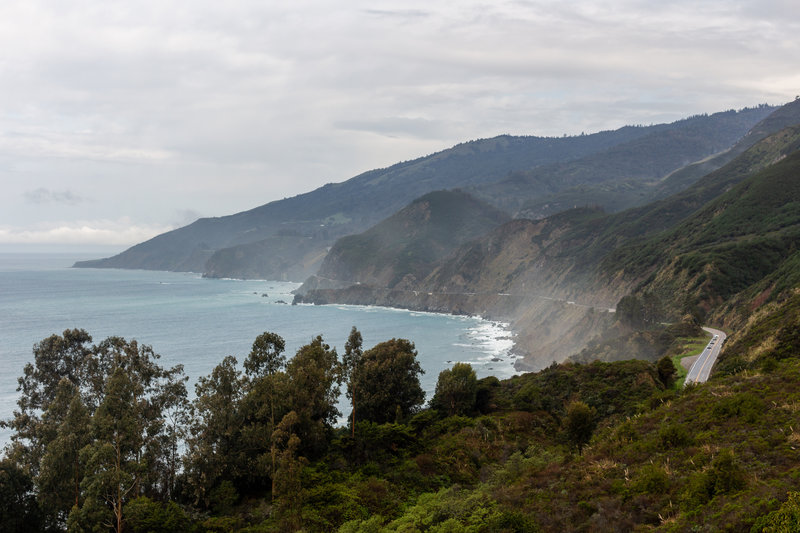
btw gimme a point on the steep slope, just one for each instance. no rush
(635, 165)
(336, 210)
(616, 195)
(734, 242)
(556, 278)
(403, 248)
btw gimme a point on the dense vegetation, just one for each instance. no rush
(629, 171)
(746, 235)
(106, 440)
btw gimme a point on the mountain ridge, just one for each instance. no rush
(339, 209)
(561, 268)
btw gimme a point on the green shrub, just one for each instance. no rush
(723, 477)
(674, 435)
(786, 519)
(651, 479)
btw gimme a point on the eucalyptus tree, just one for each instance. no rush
(55, 358)
(214, 453)
(62, 467)
(264, 362)
(351, 361)
(265, 397)
(314, 375)
(456, 390)
(114, 464)
(287, 483)
(387, 381)
(64, 398)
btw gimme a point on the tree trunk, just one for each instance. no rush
(353, 422)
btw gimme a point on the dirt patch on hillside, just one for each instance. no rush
(687, 362)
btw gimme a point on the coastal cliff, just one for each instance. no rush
(557, 280)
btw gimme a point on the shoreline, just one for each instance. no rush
(515, 354)
(508, 333)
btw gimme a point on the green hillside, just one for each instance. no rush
(731, 243)
(616, 195)
(409, 242)
(630, 169)
(690, 253)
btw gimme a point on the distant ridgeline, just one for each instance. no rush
(547, 233)
(287, 239)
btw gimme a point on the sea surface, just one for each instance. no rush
(196, 322)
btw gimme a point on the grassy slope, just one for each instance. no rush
(713, 457)
(734, 242)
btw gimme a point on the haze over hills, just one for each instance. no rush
(287, 239)
(556, 278)
(403, 248)
(623, 175)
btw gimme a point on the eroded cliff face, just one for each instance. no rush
(524, 273)
(726, 244)
(546, 329)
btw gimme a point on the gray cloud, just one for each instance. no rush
(47, 196)
(184, 217)
(225, 106)
(397, 127)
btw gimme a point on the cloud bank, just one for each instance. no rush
(91, 232)
(112, 109)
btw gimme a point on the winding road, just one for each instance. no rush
(705, 361)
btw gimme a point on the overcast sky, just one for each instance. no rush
(122, 119)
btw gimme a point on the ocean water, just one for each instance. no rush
(196, 322)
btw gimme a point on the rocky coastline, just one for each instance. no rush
(545, 330)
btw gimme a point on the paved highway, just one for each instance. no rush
(705, 361)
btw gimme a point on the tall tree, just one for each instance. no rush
(351, 360)
(314, 379)
(55, 358)
(456, 390)
(66, 385)
(175, 408)
(263, 366)
(286, 485)
(156, 391)
(266, 356)
(114, 466)
(214, 452)
(62, 470)
(387, 381)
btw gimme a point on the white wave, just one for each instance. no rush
(493, 338)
